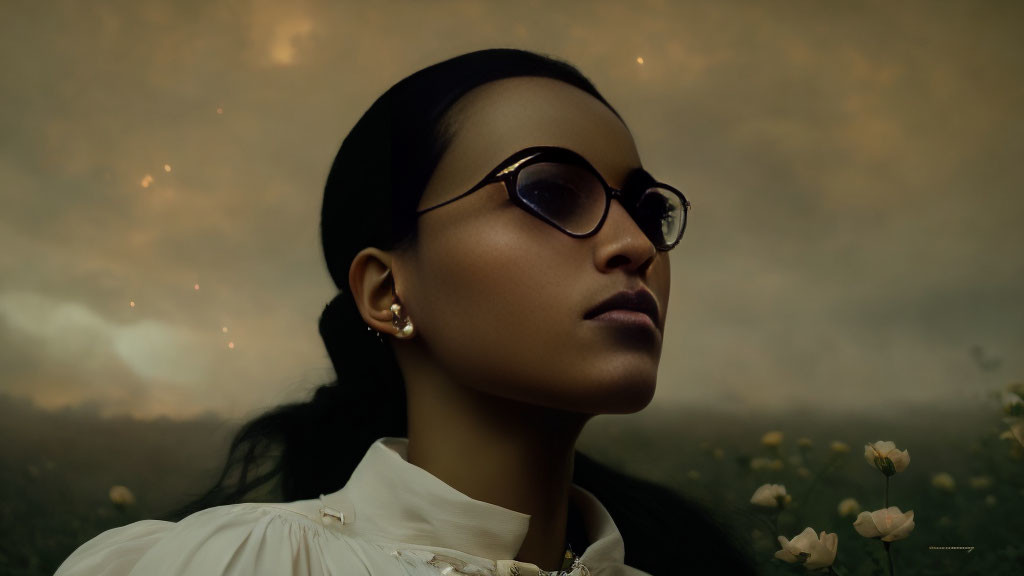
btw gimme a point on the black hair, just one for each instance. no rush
(370, 198)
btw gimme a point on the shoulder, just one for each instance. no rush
(250, 539)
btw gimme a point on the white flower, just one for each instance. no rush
(121, 496)
(771, 496)
(885, 457)
(1017, 429)
(848, 507)
(1013, 405)
(943, 481)
(889, 524)
(772, 439)
(815, 551)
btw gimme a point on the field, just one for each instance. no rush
(56, 471)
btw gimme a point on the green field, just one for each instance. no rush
(56, 470)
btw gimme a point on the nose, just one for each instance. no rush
(621, 243)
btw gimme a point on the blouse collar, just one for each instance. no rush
(390, 498)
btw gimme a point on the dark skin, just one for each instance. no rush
(502, 371)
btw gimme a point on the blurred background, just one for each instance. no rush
(851, 270)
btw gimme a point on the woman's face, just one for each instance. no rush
(498, 296)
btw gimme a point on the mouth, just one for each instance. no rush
(637, 306)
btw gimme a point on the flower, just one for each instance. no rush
(772, 439)
(761, 463)
(771, 496)
(1013, 405)
(885, 457)
(839, 447)
(121, 496)
(848, 507)
(804, 442)
(980, 482)
(718, 454)
(815, 551)
(889, 524)
(1017, 429)
(943, 481)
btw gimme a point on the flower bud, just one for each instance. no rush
(885, 457)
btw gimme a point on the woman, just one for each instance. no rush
(496, 293)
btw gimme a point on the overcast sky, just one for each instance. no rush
(855, 172)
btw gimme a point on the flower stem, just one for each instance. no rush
(887, 499)
(892, 568)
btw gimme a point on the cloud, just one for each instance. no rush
(75, 335)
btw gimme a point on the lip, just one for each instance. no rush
(631, 307)
(627, 318)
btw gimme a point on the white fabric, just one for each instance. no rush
(391, 518)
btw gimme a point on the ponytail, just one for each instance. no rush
(301, 450)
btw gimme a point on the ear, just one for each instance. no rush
(371, 286)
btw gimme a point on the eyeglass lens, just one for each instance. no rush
(571, 197)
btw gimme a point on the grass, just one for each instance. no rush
(56, 470)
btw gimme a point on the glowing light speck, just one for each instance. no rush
(231, 345)
(146, 181)
(639, 60)
(220, 110)
(196, 286)
(167, 167)
(224, 329)
(131, 303)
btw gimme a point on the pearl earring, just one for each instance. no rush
(404, 327)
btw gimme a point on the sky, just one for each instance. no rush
(855, 173)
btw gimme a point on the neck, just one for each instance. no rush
(500, 451)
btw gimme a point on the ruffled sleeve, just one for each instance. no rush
(235, 540)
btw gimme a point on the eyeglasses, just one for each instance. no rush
(563, 189)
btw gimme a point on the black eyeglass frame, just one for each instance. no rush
(508, 172)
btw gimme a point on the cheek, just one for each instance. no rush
(494, 295)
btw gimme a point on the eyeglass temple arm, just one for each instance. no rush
(498, 176)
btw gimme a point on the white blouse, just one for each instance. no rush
(391, 518)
